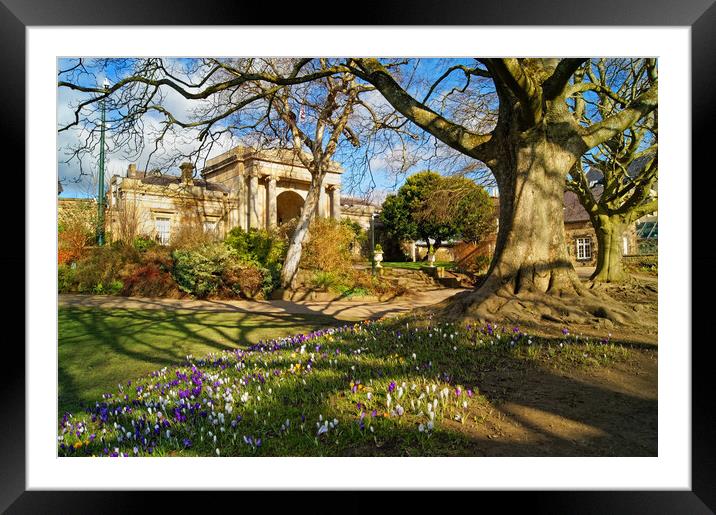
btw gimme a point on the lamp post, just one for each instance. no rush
(372, 241)
(100, 186)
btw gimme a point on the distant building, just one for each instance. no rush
(240, 188)
(580, 235)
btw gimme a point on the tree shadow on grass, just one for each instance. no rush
(525, 410)
(106, 346)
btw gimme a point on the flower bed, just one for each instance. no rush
(337, 391)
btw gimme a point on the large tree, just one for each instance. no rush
(614, 182)
(533, 146)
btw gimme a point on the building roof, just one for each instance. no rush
(355, 201)
(573, 209)
(165, 180)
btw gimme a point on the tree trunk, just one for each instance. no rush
(531, 275)
(610, 233)
(530, 252)
(295, 246)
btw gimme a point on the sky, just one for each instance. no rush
(387, 168)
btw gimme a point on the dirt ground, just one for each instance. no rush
(597, 411)
(600, 412)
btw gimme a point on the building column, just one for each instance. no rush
(336, 203)
(238, 201)
(322, 202)
(272, 214)
(252, 198)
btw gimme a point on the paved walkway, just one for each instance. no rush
(339, 309)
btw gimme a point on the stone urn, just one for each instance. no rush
(431, 259)
(378, 257)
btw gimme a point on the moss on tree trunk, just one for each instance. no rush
(610, 233)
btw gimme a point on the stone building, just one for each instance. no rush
(580, 235)
(241, 188)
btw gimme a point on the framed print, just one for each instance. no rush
(38, 37)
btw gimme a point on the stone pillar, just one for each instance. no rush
(237, 197)
(336, 203)
(322, 202)
(271, 212)
(252, 197)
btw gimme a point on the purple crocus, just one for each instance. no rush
(391, 387)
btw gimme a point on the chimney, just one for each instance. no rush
(132, 171)
(187, 172)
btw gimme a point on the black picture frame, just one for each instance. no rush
(700, 15)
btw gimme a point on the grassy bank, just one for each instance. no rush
(400, 387)
(100, 348)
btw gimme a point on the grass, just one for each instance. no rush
(417, 265)
(398, 387)
(100, 348)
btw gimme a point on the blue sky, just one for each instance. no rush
(383, 177)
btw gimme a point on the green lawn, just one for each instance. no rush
(98, 349)
(418, 265)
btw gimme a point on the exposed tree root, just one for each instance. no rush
(566, 303)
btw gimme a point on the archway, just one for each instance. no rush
(288, 206)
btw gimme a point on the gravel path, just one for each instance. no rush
(340, 309)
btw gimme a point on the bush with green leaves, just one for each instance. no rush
(218, 270)
(101, 270)
(326, 280)
(265, 249)
(199, 271)
(66, 278)
(114, 287)
(144, 243)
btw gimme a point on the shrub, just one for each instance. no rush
(326, 280)
(66, 279)
(265, 249)
(642, 264)
(246, 280)
(328, 248)
(76, 226)
(199, 271)
(102, 267)
(113, 288)
(144, 243)
(150, 280)
(257, 245)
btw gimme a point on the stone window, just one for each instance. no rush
(584, 248)
(210, 226)
(162, 225)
